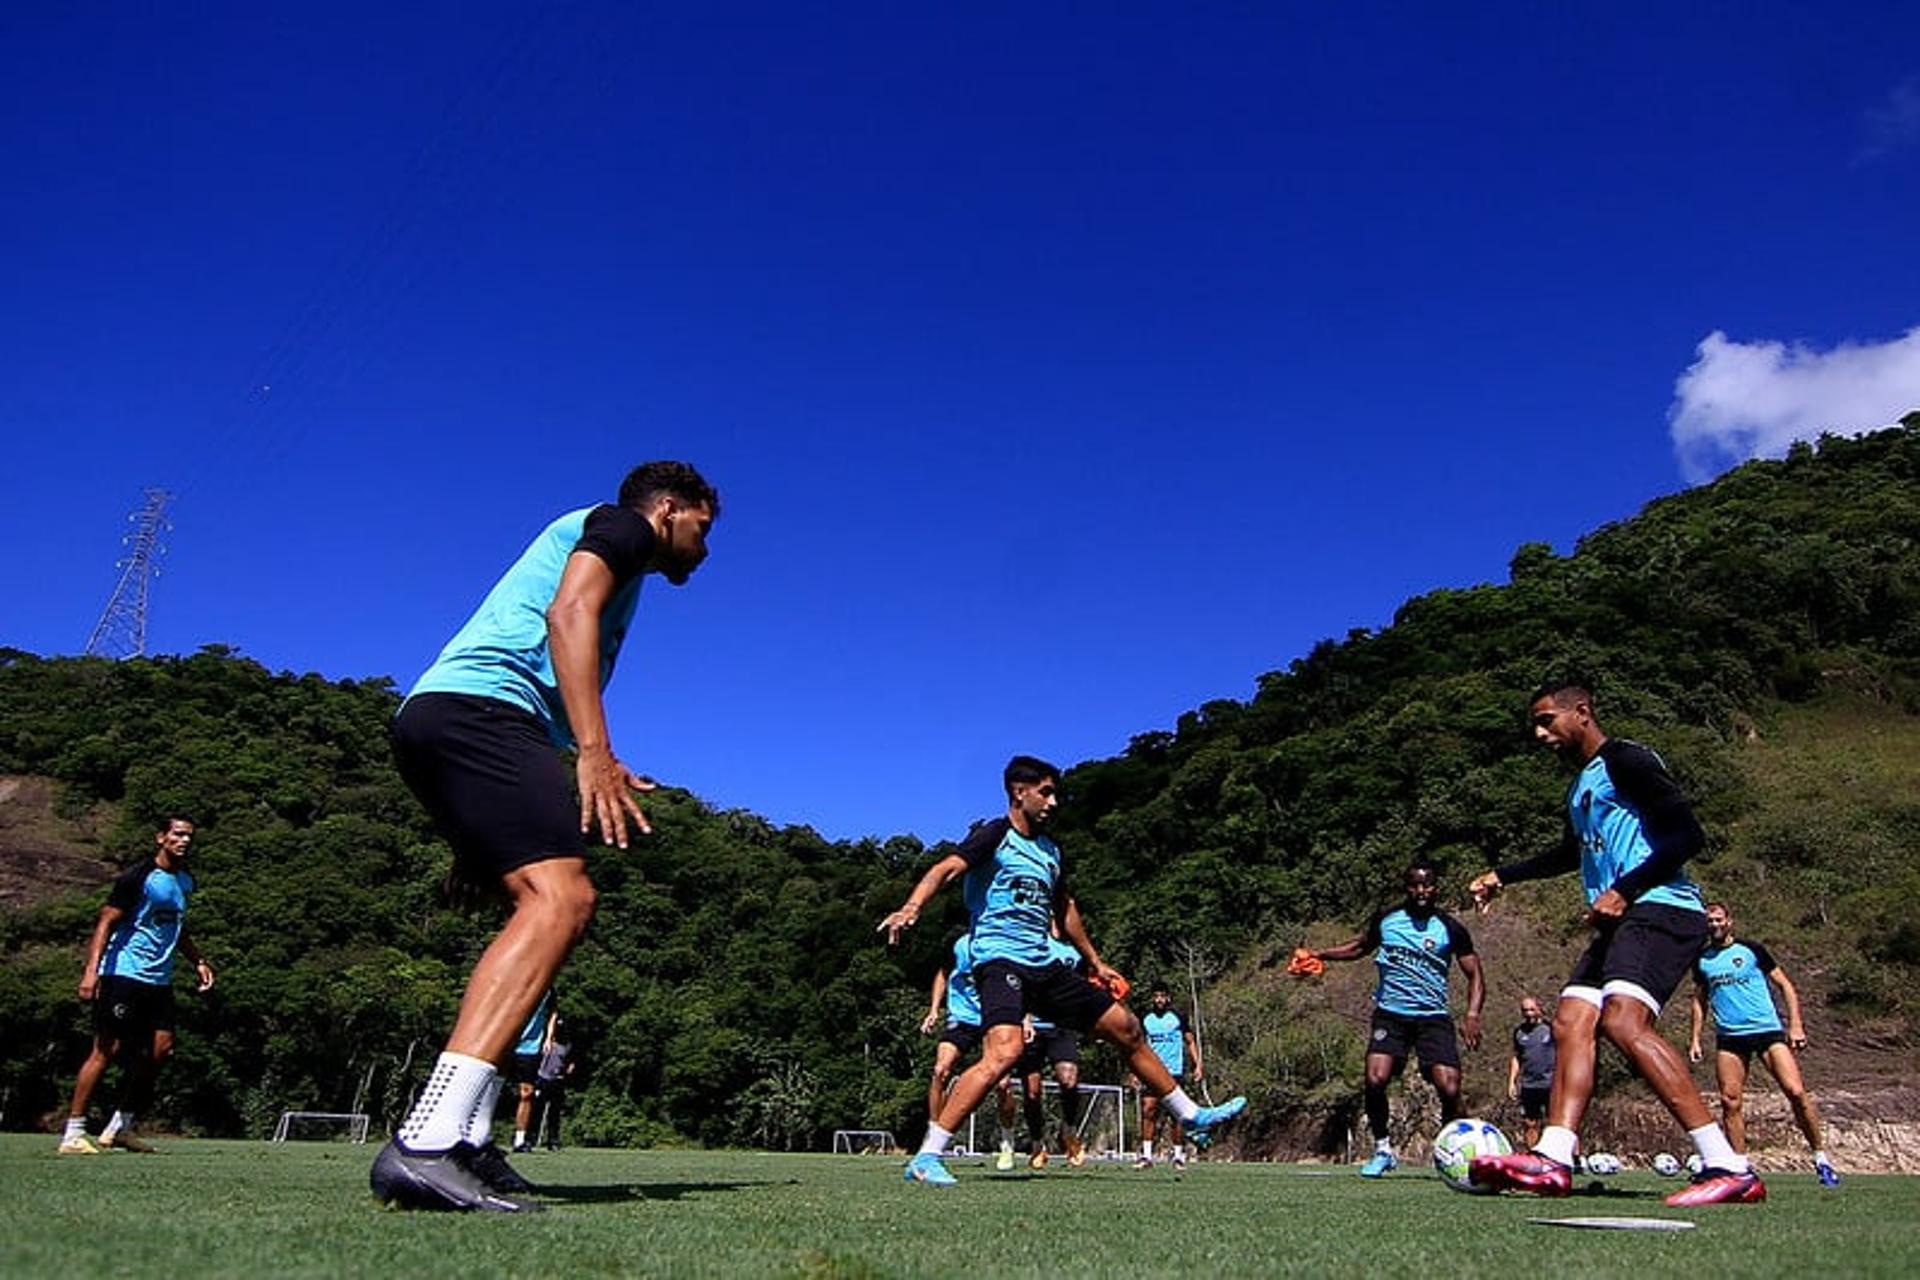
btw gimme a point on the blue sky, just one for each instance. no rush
(1062, 367)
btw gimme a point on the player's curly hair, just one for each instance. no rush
(652, 480)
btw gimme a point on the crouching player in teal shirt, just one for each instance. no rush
(1731, 978)
(1017, 896)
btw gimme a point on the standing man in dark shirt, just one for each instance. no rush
(476, 741)
(1629, 834)
(128, 976)
(1415, 946)
(1530, 1069)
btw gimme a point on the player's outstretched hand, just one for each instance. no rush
(607, 795)
(1470, 1030)
(894, 923)
(1485, 887)
(1304, 964)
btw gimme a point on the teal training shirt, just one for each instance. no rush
(155, 905)
(1735, 980)
(535, 1032)
(1413, 954)
(1606, 805)
(502, 650)
(1167, 1037)
(1012, 889)
(963, 999)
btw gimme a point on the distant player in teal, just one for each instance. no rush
(954, 1006)
(1731, 979)
(128, 976)
(1173, 1043)
(1629, 834)
(475, 740)
(1017, 896)
(535, 1038)
(1415, 945)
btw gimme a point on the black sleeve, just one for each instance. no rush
(1762, 957)
(622, 538)
(982, 841)
(1457, 937)
(129, 886)
(1371, 942)
(1665, 816)
(1700, 974)
(1557, 861)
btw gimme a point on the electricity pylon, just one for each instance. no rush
(122, 629)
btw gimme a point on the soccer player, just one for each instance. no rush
(1629, 833)
(532, 1045)
(128, 975)
(1172, 1042)
(1414, 945)
(1731, 977)
(476, 740)
(1530, 1068)
(953, 989)
(1016, 895)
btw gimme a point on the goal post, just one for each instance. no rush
(1103, 1119)
(302, 1124)
(863, 1142)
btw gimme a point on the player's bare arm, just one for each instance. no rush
(607, 787)
(1698, 1023)
(1796, 1030)
(1351, 950)
(109, 920)
(938, 876)
(1074, 929)
(201, 969)
(938, 997)
(1476, 999)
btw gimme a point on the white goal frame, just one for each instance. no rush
(357, 1123)
(883, 1143)
(1090, 1096)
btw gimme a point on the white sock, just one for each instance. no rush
(118, 1121)
(1558, 1144)
(1715, 1151)
(1181, 1105)
(935, 1143)
(1006, 1138)
(1820, 1157)
(519, 1137)
(1383, 1146)
(1146, 1149)
(479, 1129)
(76, 1128)
(440, 1114)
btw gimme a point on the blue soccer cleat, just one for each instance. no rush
(1200, 1128)
(926, 1169)
(1382, 1164)
(1828, 1178)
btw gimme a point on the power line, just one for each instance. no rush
(122, 629)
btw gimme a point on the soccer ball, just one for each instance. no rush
(1603, 1164)
(1666, 1166)
(1459, 1144)
(1695, 1164)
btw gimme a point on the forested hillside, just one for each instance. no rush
(732, 990)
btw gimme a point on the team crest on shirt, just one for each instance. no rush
(1013, 980)
(1739, 961)
(120, 1012)
(1379, 1033)
(1428, 943)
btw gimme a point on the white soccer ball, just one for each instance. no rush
(1666, 1166)
(1603, 1164)
(1459, 1144)
(1695, 1164)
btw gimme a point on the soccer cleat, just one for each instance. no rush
(442, 1180)
(1039, 1158)
(1076, 1150)
(1003, 1160)
(1200, 1128)
(80, 1145)
(489, 1164)
(1144, 1162)
(1526, 1171)
(1718, 1186)
(1380, 1165)
(1828, 1178)
(927, 1170)
(1179, 1159)
(125, 1141)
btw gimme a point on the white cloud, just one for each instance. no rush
(1741, 400)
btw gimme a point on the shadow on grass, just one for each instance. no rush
(1601, 1191)
(604, 1193)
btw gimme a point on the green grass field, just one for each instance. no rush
(253, 1208)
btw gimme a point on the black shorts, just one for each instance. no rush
(1652, 947)
(1748, 1045)
(964, 1036)
(1533, 1101)
(1052, 1045)
(526, 1068)
(124, 1009)
(490, 778)
(1431, 1038)
(1009, 992)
